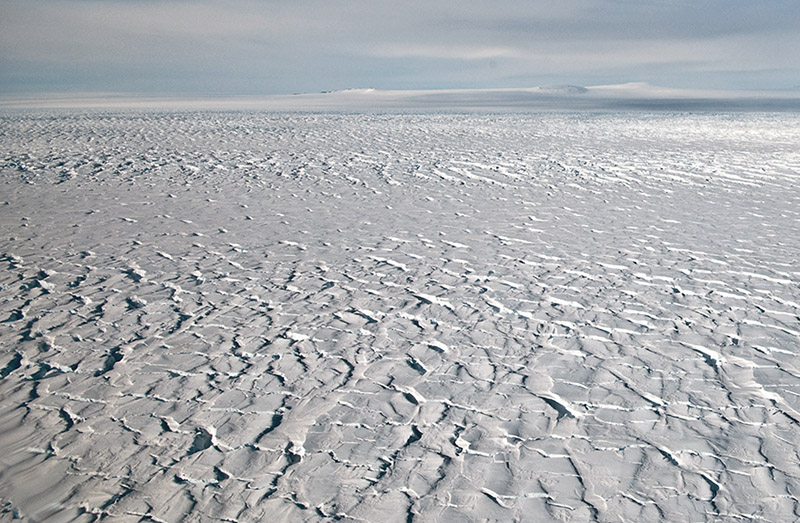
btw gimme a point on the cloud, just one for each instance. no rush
(280, 45)
(443, 51)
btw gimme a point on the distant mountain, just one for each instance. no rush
(562, 89)
(629, 96)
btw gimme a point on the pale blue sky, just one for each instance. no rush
(283, 46)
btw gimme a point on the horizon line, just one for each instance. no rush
(631, 95)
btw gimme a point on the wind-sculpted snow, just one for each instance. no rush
(265, 317)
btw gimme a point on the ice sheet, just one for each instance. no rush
(264, 317)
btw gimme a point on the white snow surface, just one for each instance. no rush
(241, 316)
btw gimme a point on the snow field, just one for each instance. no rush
(254, 316)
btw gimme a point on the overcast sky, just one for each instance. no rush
(225, 47)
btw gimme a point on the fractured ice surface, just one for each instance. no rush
(265, 317)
